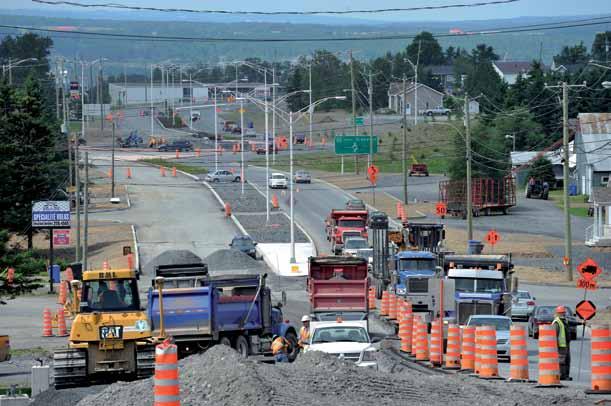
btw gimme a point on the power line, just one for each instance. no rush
(243, 12)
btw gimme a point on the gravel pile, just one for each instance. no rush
(250, 202)
(220, 377)
(277, 231)
(171, 257)
(65, 397)
(230, 260)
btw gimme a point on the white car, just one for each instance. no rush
(347, 340)
(502, 325)
(278, 181)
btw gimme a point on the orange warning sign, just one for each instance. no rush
(493, 237)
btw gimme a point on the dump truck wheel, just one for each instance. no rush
(242, 346)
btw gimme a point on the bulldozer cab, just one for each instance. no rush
(110, 291)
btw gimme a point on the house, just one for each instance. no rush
(428, 97)
(522, 160)
(445, 74)
(599, 233)
(571, 68)
(509, 70)
(593, 148)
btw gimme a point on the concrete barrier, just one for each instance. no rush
(277, 257)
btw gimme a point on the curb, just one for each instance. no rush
(222, 203)
(136, 249)
(170, 129)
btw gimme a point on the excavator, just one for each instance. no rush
(110, 336)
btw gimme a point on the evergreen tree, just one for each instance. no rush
(26, 269)
(572, 55)
(600, 47)
(425, 49)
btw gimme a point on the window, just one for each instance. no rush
(351, 223)
(489, 285)
(500, 324)
(356, 243)
(604, 180)
(464, 284)
(335, 334)
(416, 264)
(112, 294)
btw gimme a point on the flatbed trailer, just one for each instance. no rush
(488, 195)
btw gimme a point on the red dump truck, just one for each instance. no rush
(488, 195)
(338, 287)
(342, 224)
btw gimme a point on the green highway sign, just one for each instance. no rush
(354, 144)
(359, 120)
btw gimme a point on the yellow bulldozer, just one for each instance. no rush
(110, 336)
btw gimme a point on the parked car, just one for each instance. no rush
(502, 324)
(419, 170)
(302, 177)
(245, 244)
(545, 315)
(261, 149)
(222, 176)
(278, 181)
(176, 145)
(196, 115)
(355, 204)
(250, 132)
(437, 111)
(522, 305)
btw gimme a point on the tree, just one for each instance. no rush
(600, 46)
(542, 170)
(425, 49)
(572, 55)
(483, 53)
(520, 123)
(295, 83)
(26, 267)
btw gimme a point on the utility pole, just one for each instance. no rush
(468, 149)
(274, 115)
(370, 120)
(568, 240)
(77, 181)
(311, 109)
(404, 147)
(86, 202)
(356, 157)
(99, 99)
(112, 165)
(152, 98)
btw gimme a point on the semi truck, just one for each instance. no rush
(343, 224)
(338, 287)
(482, 285)
(200, 311)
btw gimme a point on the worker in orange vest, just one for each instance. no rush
(304, 331)
(280, 348)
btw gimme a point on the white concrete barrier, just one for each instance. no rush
(277, 256)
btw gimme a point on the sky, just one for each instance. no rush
(519, 9)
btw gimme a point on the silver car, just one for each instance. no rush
(502, 325)
(302, 177)
(522, 305)
(222, 176)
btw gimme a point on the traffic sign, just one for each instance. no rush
(583, 283)
(493, 237)
(565, 260)
(585, 309)
(61, 237)
(589, 269)
(51, 214)
(355, 144)
(372, 174)
(359, 120)
(441, 209)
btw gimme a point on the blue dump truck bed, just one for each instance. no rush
(223, 305)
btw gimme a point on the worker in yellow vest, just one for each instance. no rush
(563, 336)
(304, 331)
(280, 348)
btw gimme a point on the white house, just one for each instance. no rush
(428, 97)
(593, 148)
(509, 70)
(599, 233)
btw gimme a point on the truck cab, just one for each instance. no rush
(414, 270)
(343, 224)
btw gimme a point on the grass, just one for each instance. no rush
(74, 126)
(191, 169)
(31, 351)
(578, 204)
(18, 391)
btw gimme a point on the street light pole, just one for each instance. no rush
(370, 119)
(267, 208)
(311, 110)
(291, 205)
(242, 144)
(216, 134)
(152, 103)
(404, 146)
(274, 114)
(469, 191)
(191, 101)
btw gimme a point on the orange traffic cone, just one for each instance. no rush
(422, 345)
(198, 152)
(372, 298)
(405, 327)
(385, 303)
(549, 366)
(47, 323)
(62, 331)
(227, 210)
(174, 171)
(62, 294)
(177, 153)
(403, 215)
(392, 306)
(518, 368)
(486, 349)
(436, 355)
(467, 349)
(129, 173)
(105, 266)
(453, 347)
(162, 170)
(275, 203)
(399, 207)
(601, 360)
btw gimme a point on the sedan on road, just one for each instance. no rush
(176, 146)
(245, 244)
(545, 315)
(502, 324)
(278, 181)
(222, 176)
(302, 177)
(522, 305)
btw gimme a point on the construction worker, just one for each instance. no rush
(280, 348)
(563, 336)
(304, 331)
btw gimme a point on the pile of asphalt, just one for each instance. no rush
(171, 257)
(221, 377)
(233, 260)
(65, 396)
(251, 201)
(277, 230)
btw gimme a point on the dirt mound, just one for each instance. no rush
(230, 260)
(172, 257)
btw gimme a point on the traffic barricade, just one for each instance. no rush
(467, 349)
(435, 352)
(167, 388)
(549, 367)
(487, 363)
(422, 344)
(392, 306)
(385, 303)
(453, 347)
(601, 360)
(371, 299)
(518, 368)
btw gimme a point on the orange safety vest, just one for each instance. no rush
(304, 335)
(279, 345)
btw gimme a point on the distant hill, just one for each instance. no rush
(513, 46)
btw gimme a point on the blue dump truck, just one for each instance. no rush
(414, 271)
(200, 311)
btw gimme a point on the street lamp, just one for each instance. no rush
(606, 84)
(10, 65)
(513, 137)
(216, 129)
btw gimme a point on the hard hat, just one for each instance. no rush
(305, 318)
(275, 336)
(561, 309)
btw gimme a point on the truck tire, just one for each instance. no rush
(225, 341)
(294, 348)
(379, 289)
(242, 346)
